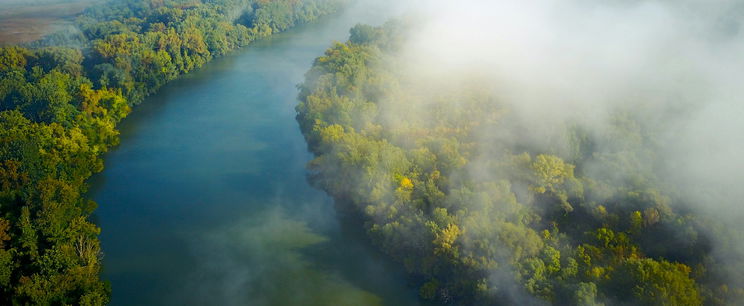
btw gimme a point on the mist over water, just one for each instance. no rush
(206, 200)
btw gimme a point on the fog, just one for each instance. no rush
(677, 66)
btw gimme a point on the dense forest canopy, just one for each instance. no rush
(60, 102)
(500, 181)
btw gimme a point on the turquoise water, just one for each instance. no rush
(205, 201)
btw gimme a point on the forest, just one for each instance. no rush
(61, 99)
(480, 210)
(491, 173)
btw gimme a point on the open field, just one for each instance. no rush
(23, 22)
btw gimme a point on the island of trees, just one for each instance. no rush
(60, 101)
(497, 218)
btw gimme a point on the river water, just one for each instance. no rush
(205, 201)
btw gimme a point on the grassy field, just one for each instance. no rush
(25, 21)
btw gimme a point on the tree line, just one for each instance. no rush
(60, 102)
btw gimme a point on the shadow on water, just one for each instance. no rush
(205, 200)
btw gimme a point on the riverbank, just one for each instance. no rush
(206, 196)
(59, 111)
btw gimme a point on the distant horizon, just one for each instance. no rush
(27, 21)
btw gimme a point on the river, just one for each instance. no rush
(205, 201)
